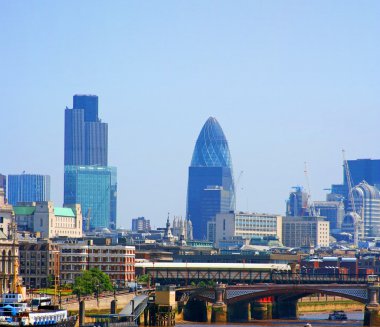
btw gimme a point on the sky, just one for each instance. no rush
(289, 82)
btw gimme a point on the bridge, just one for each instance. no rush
(239, 303)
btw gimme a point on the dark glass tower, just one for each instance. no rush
(210, 168)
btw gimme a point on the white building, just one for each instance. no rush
(49, 221)
(305, 231)
(117, 261)
(246, 225)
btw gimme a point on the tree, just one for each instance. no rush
(92, 281)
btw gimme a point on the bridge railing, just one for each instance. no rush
(316, 278)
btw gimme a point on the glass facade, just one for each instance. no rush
(28, 188)
(86, 137)
(210, 185)
(92, 187)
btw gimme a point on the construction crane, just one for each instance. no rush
(310, 204)
(357, 219)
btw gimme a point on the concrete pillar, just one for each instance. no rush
(113, 306)
(285, 309)
(371, 312)
(259, 310)
(219, 308)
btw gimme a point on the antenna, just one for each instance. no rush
(310, 204)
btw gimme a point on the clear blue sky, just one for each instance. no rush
(289, 81)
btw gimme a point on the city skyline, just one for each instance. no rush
(286, 89)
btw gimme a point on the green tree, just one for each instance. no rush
(92, 281)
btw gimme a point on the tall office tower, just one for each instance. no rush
(367, 205)
(211, 165)
(333, 211)
(3, 183)
(28, 188)
(91, 186)
(86, 137)
(297, 203)
(140, 224)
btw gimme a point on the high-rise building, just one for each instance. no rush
(333, 211)
(367, 205)
(364, 170)
(140, 224)
(86, 153)
(92, 187)
(3, 183)
(86, 137)
(297, 204)
(28, 188)
(211, 165)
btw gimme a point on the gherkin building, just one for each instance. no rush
(210, 186)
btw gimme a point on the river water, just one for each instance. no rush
(315, 319)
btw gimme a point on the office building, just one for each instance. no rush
(364, 170)
(86, 136)
(39, 263)
(28, 188)
(48, 221)
(367, 205)
(305, 232)
(3, 183)
(247, 225)
(210, 171)
(333, 211)
(117, 261)
(140, 224)
(297, 204)
(92, 187)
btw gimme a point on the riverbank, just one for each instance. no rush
(328, 306)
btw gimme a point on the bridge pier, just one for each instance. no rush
(261, 310)
(219, 308)
(371, 312)
(239, 312)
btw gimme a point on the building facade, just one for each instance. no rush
(305, 232)
(28, 188)
(92, 187)
(49, 221)
(333, 211)
(297, 204)
(140, 224)
(39, 263)
(367, 205)
(86, 136)
(3, 183)
(246, 225)
(211, 167)
(117, 261)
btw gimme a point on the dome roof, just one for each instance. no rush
(365, 190)
(211, 148)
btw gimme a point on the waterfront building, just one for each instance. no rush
(49, 221)
(297, 204)
(39, 263)
(210, 185)
(86, 136)
(140, 224)
(333, 211)
(92, 187)
(117, 261)
(28, 188)
(367, 205)
(305, 232)
(246, 225)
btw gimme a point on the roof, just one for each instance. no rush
(64, 212)
(24, 210)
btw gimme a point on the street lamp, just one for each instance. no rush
(97, 294)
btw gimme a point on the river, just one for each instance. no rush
(315, 319)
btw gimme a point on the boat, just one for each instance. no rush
(338, 315)
(308, 325)
(14, 311)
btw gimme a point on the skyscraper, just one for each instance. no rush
(88, 179)
(86, 137)
(28, 188)
(211, 167)
(297, 204)
(91, 186)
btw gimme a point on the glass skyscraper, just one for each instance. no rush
(210, 170)
(88, 179)
(93, 188)
(28, 188)
(86, 137)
